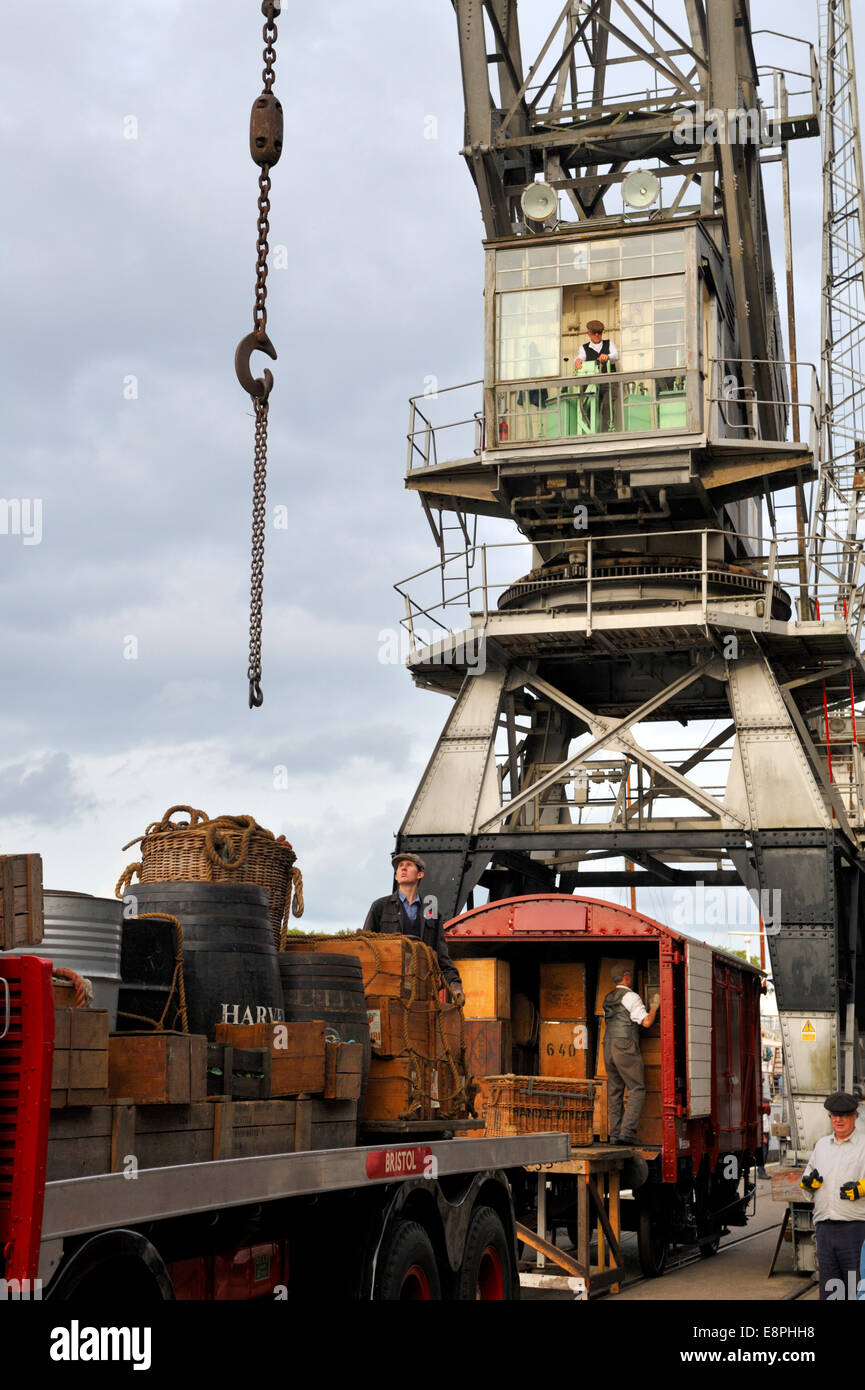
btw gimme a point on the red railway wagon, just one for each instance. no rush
(698, 1144)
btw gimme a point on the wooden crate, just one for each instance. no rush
(21, 909)
(343, 1071)
(448, 1088)
(399, 1088)
(563, 990)
(653, 1075)
(564, 1048)
(399, 966)
(396, 1027)
(448, 1033)
(650, 1131)
(108, 1138)
(488, 1046)
(295, 1054)
(601, 1115)
(80, 1068)
(487, 987)
(605, 983)
(158, 1068)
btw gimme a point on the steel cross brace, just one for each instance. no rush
(611, 733)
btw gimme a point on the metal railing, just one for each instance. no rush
(423, 433)
(771, 571)
(737, 405)
(597, 406)
(591, 404)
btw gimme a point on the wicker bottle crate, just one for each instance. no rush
(540, 1105)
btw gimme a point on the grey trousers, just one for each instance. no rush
(839, 1251)
(624, 1064)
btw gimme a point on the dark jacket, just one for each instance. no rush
(389, 915)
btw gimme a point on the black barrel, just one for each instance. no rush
(331, 988)
(230, 967)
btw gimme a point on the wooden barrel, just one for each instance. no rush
(230, 968)
(328, 987)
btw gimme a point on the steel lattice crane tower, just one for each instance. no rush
(652, 583)
(842, 479)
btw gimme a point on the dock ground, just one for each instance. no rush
(737, 1273)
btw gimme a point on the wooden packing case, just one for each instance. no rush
(292, 1061)
(158, 1068)
(487, 987)
(22, 917)
(562, 990)
(80, 1069)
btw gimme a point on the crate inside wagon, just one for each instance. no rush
(699, 1120)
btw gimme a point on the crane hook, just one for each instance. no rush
(256, 386)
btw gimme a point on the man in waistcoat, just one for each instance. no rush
(605, 352)
(403, 912)
(624, 1015)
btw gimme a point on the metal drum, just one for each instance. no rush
(330, 988)
(82, 933)
(230, 969)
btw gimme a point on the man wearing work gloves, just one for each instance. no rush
(624, 1015)
(835, 1176)
(403, 912)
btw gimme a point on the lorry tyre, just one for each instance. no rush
(409, 1271)
(711, 1247)
(652, 1243)
(486, 1273)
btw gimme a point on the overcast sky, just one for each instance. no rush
(127, 280)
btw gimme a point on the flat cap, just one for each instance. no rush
(594, 326)
(412, 858)
(841, 1103)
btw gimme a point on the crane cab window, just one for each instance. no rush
(547, 293)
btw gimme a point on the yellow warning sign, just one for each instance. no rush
(809, 1032)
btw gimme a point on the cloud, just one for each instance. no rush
(49, 793)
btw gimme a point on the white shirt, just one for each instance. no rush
(837, 1163)
(614, 351)
(635, 1006)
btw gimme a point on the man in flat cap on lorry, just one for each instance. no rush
(624, 1015)
(402, 912)
(835, 1177)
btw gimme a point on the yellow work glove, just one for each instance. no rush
(811, 1181)
(852, 1191)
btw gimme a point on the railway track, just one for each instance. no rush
(694, 1257)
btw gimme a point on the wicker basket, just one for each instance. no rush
(540, 1105)
(229, 849)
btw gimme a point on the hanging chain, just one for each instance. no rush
(265, 146)
(259, 494)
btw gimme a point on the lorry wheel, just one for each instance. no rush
(409, 1272)
(711, 1247)
(486, 1274)
(652, 1243)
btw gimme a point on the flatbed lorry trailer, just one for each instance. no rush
(420, 1220)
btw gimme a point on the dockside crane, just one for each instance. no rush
(687, 552)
